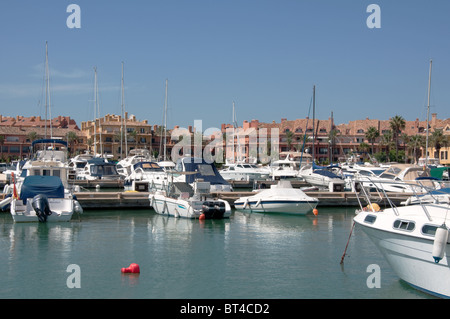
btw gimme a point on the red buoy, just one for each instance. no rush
(133, 268)
(315, 212)
(202, 217)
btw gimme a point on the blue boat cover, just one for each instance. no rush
(50, 186)
(207, 171)
(49, 141)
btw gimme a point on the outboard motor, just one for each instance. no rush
(41, 207)
(213, 209)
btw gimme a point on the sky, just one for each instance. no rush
(263, 55)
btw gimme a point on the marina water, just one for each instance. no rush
(249, 256)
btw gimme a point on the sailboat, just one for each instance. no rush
(165, 163)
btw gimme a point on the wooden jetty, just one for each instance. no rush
(133, 200)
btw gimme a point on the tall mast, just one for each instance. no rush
(165, 123)
(124, 120)
(47, 93)
(428, 113)
(314, 118)
(95, 111)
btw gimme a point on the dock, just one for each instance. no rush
(134, 200)
(99, 200)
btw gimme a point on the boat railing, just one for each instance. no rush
(417, 185)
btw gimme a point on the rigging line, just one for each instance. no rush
(345, 251)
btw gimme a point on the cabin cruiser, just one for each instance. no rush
(98, 168)
(43, 199)
(186, 201)
(323, 176)
(125, 166)
(189, 169)
(400, 178)
(78, 162)
(414, 241)
(244, 172)
(146, 176)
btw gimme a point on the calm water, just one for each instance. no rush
(248, 256)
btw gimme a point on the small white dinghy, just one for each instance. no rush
(280, 198)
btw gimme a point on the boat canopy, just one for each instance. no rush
(201, 170)
(50, 186)
(323, 170)
(49, 141)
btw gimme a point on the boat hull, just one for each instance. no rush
(62, 211)
(276, 206)
(187, 208)
(410, 256)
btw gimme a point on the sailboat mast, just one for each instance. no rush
(95, 111)
(428, 114)
(314, 119)
(123, 132)
(47, 93)
(165, 123)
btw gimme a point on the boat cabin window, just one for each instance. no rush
(404, 225)
(429, 230)
(370, 219)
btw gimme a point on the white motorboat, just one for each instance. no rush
(184, 201)
(146, 176)
(190, 169)
(280, 198)
(322, 176)
(414, 241)
(43, 199)
(244, 172)
(399, 178)
(125, 166)
(99, 169)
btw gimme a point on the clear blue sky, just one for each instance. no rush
(265, 55)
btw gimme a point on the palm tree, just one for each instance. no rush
(386, 140)
(32, 136)
(415, 143)
(371, 135)
(397, 124)
(2, 141)
(438, 140)
(289, 139)
(71, 138)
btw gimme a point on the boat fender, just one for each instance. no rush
(77, 207)
(6, 201)
(245, 204)
(440, 243)
(41, 207)
(258, 202)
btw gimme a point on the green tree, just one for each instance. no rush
(387, 141)
(71, 139)
(371, 135)
(438, 140)
(397, 124)
(415, 143)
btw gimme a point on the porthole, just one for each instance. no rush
(429, 230)
(404, 225)
(370, 219)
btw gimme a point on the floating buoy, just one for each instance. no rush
(133, 268)
(440, 243)
(202, 217)
(315, 212)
